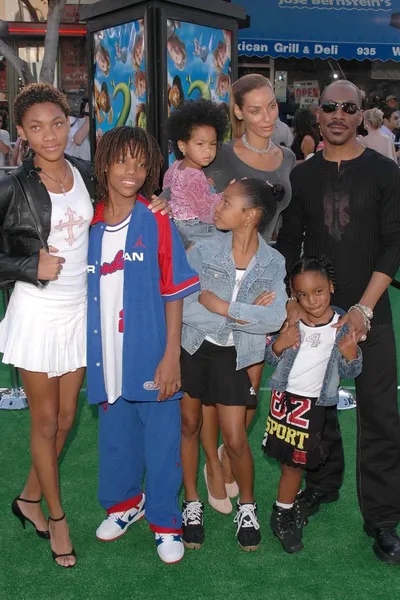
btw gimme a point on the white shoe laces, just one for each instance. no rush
(246, 517)
(193, 513)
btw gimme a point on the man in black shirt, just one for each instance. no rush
(346, 206)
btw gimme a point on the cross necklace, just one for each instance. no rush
(59, 181)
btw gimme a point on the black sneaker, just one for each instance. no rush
(248, 528)
(313, 498)
(387, 543)
(287, 525)
(192, 524)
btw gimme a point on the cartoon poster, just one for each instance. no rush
(199, 64)
(120, 77)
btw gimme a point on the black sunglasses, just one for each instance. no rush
(348, 107)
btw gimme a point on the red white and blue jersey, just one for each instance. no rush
(155, 271)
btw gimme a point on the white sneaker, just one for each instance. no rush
(170, 547)
(117, 523)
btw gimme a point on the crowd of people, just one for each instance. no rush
(173, 303)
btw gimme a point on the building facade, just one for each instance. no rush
(24, 25)
(303, 45)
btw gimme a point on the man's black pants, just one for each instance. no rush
(378, 435)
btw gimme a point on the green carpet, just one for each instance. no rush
(336, 564)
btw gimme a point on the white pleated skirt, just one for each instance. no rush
(44, 335)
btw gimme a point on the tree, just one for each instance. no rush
(54, 16)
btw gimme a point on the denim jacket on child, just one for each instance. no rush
(212, 259)
(337, 367)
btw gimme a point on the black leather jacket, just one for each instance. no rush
(21, 234)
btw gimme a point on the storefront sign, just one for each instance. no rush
(338, 4)
(306, 92)
(361, 29)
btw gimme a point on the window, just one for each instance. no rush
(33, 52)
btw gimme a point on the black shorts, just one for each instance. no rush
(210, 375)
(294, 430)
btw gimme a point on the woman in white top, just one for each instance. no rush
(78, 137)
(45, 213)
(373, 120)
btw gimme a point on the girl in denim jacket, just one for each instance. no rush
(243, 298)
(310, 361)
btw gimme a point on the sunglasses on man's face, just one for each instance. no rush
(348, 107)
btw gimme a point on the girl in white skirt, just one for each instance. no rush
(45, 213)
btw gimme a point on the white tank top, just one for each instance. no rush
(238, 280)
(111, 305)
(71, 215)
(308, 371)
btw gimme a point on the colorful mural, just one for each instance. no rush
(119, 95)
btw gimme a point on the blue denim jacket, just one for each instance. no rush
(212, 259)
(337, 367)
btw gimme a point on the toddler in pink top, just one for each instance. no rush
(195, 130)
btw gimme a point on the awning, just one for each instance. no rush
(322, 29)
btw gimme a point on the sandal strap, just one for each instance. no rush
(56, 520)
(72, 553)
(28, 501)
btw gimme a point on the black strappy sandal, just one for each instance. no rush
(55, 555)
(45, 535)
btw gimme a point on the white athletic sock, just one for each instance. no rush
(284, 506)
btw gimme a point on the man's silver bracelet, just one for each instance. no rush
(368, 312)
(365, 312)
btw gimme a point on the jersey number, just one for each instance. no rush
(314, 339)
(279, 410)
(295, 417)
(121, 322)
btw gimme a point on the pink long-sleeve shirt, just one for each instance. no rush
(191, 193)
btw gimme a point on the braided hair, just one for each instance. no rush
(263, 196)
(316, 264)
(115, 145)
